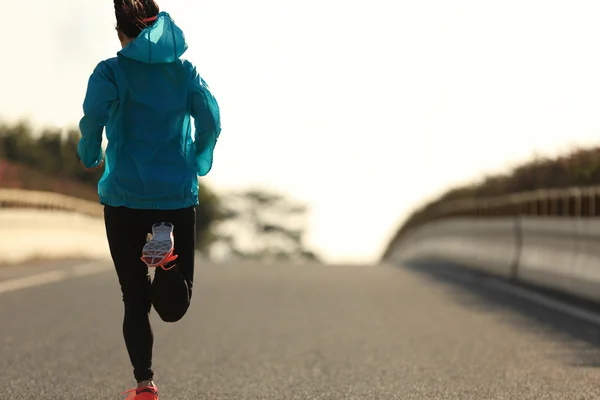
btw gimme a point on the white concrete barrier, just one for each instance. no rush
(476, 243)
(27, 234)
(562, 254)
(46, 225)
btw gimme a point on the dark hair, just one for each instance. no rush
(131, 13)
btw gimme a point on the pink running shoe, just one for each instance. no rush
(146, 393)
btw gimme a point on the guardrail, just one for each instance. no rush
(574, 202)
(561, 254)
(547, 238)
(16, 198)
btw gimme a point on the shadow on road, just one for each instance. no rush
(579, 340)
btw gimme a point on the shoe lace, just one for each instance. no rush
(169, 260)
(132, 394)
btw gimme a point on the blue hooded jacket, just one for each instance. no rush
(146, 97)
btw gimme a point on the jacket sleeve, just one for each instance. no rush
(207, 123)
(100, 95)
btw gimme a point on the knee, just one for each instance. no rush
(171, 314)
(171, 297)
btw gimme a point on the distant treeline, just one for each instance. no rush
(47, 160)
(580, 168)
(52, 153)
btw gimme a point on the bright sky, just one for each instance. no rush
(361, 109)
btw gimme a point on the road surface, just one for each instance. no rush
(296, 332)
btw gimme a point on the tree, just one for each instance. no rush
(262, 225)
(208, 214)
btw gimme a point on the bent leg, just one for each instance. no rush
(172, 289)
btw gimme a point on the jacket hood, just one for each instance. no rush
(162, 42)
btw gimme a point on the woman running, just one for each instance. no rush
(145, 97)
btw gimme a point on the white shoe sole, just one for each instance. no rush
(160, 246)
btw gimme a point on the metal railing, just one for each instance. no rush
(573, 202)
(17, 198)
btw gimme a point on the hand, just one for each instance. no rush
(91, 170)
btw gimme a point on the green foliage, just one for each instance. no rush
(50, 152)
(208, 214)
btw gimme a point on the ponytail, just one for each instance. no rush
(133, 16)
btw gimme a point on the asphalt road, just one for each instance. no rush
(296, 332)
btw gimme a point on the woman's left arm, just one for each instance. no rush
(100, 95)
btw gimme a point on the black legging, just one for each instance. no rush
(170, 291)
